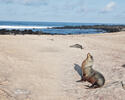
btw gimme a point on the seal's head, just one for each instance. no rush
(89, 56)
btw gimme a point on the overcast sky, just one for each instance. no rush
(86, 11)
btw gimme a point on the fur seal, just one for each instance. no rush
(89, 74)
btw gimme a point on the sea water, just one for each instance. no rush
(47, 27)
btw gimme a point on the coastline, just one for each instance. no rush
(65, 30)
(44, 65)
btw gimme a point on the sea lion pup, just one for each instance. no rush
(89, 74)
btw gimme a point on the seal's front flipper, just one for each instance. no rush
(80, 81)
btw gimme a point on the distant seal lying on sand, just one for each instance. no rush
(77, 46)
(89, 74)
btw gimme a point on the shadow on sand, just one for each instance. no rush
(78, 70)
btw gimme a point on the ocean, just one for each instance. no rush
(46, 27)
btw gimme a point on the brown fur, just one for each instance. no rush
(89, 74)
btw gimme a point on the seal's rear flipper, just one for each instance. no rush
(93, 86)
(89, 87)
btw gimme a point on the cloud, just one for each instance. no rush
(25, 2)
(109, 7)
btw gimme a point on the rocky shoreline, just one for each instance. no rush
(105, 28)
(20, 32)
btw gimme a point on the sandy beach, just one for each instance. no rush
(45, 67)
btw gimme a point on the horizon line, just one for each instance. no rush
(59, 22)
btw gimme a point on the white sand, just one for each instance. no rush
(43, 67)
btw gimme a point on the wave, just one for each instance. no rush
(23, 27)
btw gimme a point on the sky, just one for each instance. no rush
(85, 11)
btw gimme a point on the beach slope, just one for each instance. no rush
(45, 67)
